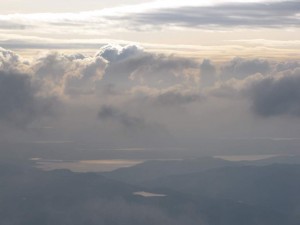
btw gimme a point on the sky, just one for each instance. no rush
(151, 74)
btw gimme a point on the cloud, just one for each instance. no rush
(251, 14)
(131, 65)
(231, 79)
(208, 72)
(126, 125)
(69, 74)
(127, 93)
(10, 61)
(88, 75)
(271, 88)
(274, 96)
(109, 113)
(113, 53)
(121, 67)
(273, 14)
(175, 96)
(7, 25)
(127, 96)
(25, 42)
(19, 100)
(287, 65)
(240, 68)
(157, 79)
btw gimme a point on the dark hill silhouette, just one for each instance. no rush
(33, 197)
(159, 168)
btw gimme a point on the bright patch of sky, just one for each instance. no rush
(37, 6)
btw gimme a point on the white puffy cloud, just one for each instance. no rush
(10, 61)
(131, 65)
(113, 53)
(68, 74)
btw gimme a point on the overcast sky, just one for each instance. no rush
(149, 74)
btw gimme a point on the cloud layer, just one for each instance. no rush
(273, 14)
(128, 94)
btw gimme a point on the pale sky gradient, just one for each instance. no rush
(220, 26)
(38, 6)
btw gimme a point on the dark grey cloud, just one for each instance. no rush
(20, 103)
(21, 96)
(177, 98)
(255, 14)
(271, 88)
(172, 97)
(30, 44)
(131, 127)
(111, 113)
(273, 97)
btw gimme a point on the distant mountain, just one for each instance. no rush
(275, 186)
(262, 183)
(284, 159)
(29, 196)
(160, 168)
(214, 211)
